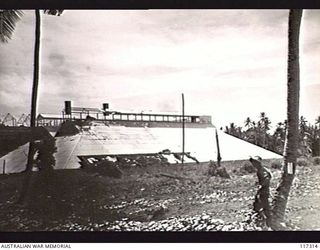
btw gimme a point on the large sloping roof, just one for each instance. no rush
(113, 140)
(16, 160)
(116, 140)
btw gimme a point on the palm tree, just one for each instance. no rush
(247, 122)
(264, 125)
(279, 137)
(318, 120)
(302, 125)
(232, 129)
(292, 135)
(8, 19)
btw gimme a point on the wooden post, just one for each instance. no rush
(183, 132)
(4, 167)
(218, 149)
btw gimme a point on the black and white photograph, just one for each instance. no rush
(159, 120)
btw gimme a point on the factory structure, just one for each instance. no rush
(108, 115)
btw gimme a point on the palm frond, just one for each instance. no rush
(53, 12)
(8, 20)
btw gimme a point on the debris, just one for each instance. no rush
(109, 169)
(110, 158)
(192, 158)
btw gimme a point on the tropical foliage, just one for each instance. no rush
(261, 133)
(8, 20)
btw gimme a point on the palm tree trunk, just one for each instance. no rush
(36, 69)
(292, 133)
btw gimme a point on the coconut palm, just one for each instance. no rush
(247, 122)
(264, 126)
(302, 125)
(8, 20)
(318, 120)
(292, 134)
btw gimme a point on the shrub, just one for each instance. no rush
(247, 168)
(67, 128)
(215, 170)
(303, 162)
(316, 160)
(276, 164)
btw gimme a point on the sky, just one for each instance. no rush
(230, 64)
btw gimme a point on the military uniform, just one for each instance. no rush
(261, 203)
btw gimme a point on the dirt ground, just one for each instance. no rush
(150, 198)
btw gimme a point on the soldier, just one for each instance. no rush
(261, 203)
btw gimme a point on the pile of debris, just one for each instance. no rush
(173, 157)
(114, 165)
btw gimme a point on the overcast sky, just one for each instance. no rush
(230, 64)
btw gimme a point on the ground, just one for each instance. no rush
(154, 197)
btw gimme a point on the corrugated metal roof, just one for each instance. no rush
(113, 140)
(15, 161)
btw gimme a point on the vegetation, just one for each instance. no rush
(259, 133)
(316, 161)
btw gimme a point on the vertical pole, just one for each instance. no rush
(218, 149)
(4, 167)
(183, 132)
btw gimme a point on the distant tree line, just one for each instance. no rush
(259, 133)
